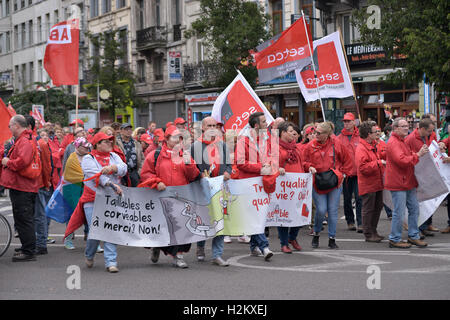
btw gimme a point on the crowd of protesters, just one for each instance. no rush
(360, 162)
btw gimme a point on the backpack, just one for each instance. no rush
(34, 169)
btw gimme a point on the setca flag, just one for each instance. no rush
(289, 52)
(333, 79)
(61, 53)
(236, 103)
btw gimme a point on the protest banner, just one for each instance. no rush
(203, 209)
(430, 192)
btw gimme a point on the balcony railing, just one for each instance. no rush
(203, 72)
(152, 37)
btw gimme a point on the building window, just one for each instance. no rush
(140, 14)
(39, 30)
(106, 6)
(277, 17)
(123, 40)
(16, 37)
(24, 76)
(7, 7)
(158, 67)
(16, 7)
(48, 23)
(121, 4)
(158, 12)
(141, 71)
(56, 16)
(31, 70)
(30, 32)
(201, 51)
(8, 41)
(349, 32)
(40, 71)
(24, 35)
(94, 8)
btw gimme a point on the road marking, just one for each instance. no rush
(6, 208)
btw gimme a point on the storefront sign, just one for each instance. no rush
(358, 53)
(174, 65)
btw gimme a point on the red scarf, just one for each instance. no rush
(355, 132)
(291, 148)
(213, 155)
(101, 157)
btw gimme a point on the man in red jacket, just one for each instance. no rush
(349, 138)
(401, 181)
(22, 190)
(423, 135)
(252, 161)
(370, 169)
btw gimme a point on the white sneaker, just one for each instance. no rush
(244, 239)
(267, 254)
(256, 252)
(179, 262)
(227, 239)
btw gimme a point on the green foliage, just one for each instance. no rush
(230, 29)
(111, 75)
(416, 30)
(56, 101)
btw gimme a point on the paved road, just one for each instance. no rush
(310, 274)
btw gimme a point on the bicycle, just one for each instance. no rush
(5, 235)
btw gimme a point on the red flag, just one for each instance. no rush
(288, 53)
(61, 53)
(5, 116)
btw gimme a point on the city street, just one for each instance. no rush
(357, 270)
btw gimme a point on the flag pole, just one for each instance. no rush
(350, 75)
(76, 105)
(314, 66)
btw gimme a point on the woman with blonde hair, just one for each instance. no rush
(138, 132)
(328, 161)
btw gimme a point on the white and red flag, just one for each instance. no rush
(289, 52)
(236, 103)
(333, 79)
(37, 116)
(61, 53)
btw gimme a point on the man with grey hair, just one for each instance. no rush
(211, 155)
(401, 181)
(23, 190)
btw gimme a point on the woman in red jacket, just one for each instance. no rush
(370, 169)
(320, 155)
(289, 161)
(171, 170)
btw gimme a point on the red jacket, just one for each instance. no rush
(381, 148)
(172, 173)
(350, 141)
(45, 179)
(249, 160)
(415, 142)
(369, 168)
(447, 143)
(290, 166)
(400, 162)
(320, 156)
(19, 158)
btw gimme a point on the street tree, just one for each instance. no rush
(57, 101)
(414, 34)
(110, 70)
(230, 29)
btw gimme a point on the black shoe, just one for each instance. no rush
(266, 231)
(332, 244)
(315, 242)
(40, 251)
(23, 257)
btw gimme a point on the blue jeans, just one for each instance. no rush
(328, 202)
(350, 187)
(287, 234)
(258, 240)
(217, 246)
(110, 250)
(40, 219)
(388, 211)
(401, 201)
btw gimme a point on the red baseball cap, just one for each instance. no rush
(99, 136)
(171, 131)
(146, 138)
(168, 124)
(349, 116)
(159, 133)
(79, 121)
(179, 121)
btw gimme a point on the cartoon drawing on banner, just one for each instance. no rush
(226, 199)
